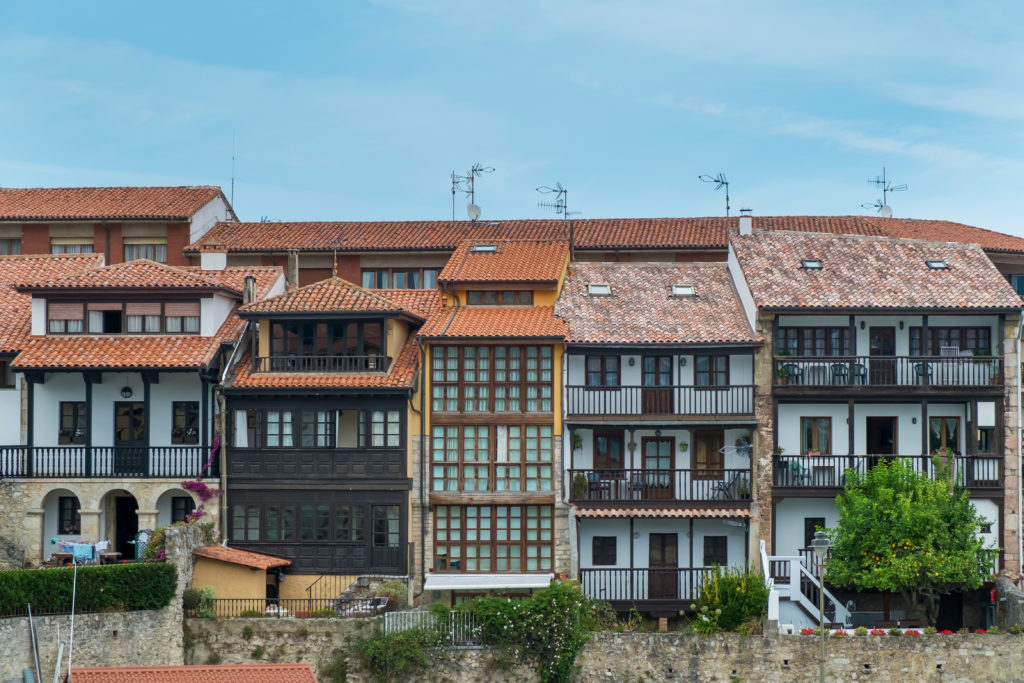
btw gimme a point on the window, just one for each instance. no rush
(524, 456)
(599, 289)
(944, 432)
(498, 538)
(245, 523)
(491, 297)
(716, 551)
(73, 423)
(812, 524)
(711, 371)
(602, 371)
(69, 520)
(181, 508)
(602, 552)
(316, 428)
(683, 290)
(314, 522)
(71, 248)
(349, 523)
(460, 458)
(64, 318)
(810, 264)
(380, 429)
(477, 379)
(813, 341)
(386, 526)
(278, 427)
(977, 340)
(185, 422)
(336, 338)
(608, 448)
(376, 279)
(10, 246)
(463, 458)
(986, 440)
(937, 264)
(816, 435)
(485, 248)
(153, 252)
(6, 374)
(400, 278)
(181, 316)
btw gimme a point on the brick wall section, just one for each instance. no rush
(116, 254)
(177, 240)
(35, 238)
(348, 269)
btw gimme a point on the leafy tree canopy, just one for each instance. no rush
(903, 532)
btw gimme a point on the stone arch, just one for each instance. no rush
(119, 520)
(61, 519)
(165, 505)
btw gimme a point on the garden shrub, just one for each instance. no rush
(739, 595)
(397, 594)
(136, 586)
(397, 656)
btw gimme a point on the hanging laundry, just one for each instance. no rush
(83, 552)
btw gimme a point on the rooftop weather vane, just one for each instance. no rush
(467, 183)
(884, 210)
(720, 182)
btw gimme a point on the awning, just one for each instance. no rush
(476, 582)
(654, 513)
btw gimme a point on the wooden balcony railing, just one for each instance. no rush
(583, 401)
(297, 363)
(619, 586)
(105, 461)
(888, 371)
(829, 471)
(644, 486)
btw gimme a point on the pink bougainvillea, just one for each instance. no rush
(200, 487)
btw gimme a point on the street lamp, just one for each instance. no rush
(820, 544)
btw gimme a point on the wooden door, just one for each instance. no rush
(657, 384)
(659, 465)
(663, 564)
(882, 343)
(130, 454)
(708, 459)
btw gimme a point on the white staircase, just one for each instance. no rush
(794, 597)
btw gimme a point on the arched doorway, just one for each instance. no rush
(61, 519)
(120, 521)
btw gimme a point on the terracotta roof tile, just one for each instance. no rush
(469, 322)
(245, 558)
(137, 274)
(95, 203)
(642, 310)
(233, 277)
(425, 303)
(332, 294)
(868, 272)
(220, 673)
(653, 513)
(534, 261)
(594, 233)
(15, 307)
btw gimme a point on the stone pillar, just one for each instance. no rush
(35, 536)
(147, 518)
(763, 444)
(91, 531)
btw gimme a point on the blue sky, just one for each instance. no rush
(360, 110)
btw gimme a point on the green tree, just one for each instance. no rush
(902, 532)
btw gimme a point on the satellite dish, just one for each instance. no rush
(473, 210)
(885, 211)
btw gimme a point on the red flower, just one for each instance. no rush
(945, 632)
(807, 631)
(981, 630)
(877, 632)
(911, 632)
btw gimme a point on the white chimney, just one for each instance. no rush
(213, 257)
(746, 222)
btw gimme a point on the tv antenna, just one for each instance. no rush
(883, 208)
(561, 206)
(467, 183)
(720, 182)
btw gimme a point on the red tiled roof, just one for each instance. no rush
(425, 303)
(138, 274)
(220, 673)
(233, 277)
(16, 308)
(96, 203)
(534, 261)
(868, 272)
(652, 513)
(594, 233)
(486, 322)
(242, 557)
(332, 294)
(642, 310)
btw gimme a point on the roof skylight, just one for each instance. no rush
(485, 248)
(810, 263)
(937, 264)
(599, 289)
(683, 290)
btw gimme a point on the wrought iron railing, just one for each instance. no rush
(627, 585)
(734, 399)
(297, 363)
(830, 471)
(888, 371)
(105, 461)
(688, 485)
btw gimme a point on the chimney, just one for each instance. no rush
(746, 222)
(249, 290)
(213, 256)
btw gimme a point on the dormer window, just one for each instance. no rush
(683, 290)
(599, 289)
(485, 248)
(492, 297)
(810, 264)
(937, 264)
(116, 317)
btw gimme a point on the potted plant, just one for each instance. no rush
(813, 452)
(577, 441)
(579, 486)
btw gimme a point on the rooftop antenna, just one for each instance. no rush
(336, 243)
(561, 206)
(884, 210)
(232, 169)
(720, 182)
(467, 183)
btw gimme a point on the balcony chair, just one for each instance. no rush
(922, 373)
(793, 372)
(798, 474)
(860, 373)
(840, 373)
(723, 490)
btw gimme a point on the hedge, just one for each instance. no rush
(101, 588)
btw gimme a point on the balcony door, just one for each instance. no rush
(657, 384)
(882, 345)
(130, 438)
(658, 466)
(663, 562)
(881, 434)
(708, 459)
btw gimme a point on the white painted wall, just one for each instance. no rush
(210, 214)
(789, 521)
(739, 281)
(10, 406)
(643, 528)
(214, 311)
(213, 260)
(583, 458)
(38, 316)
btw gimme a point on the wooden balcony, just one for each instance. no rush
(658, 591)
(667, 401)
(712, 488)
(796, 374)
(316, 464)
(105, 461)
(298, 363)
(825, 475)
